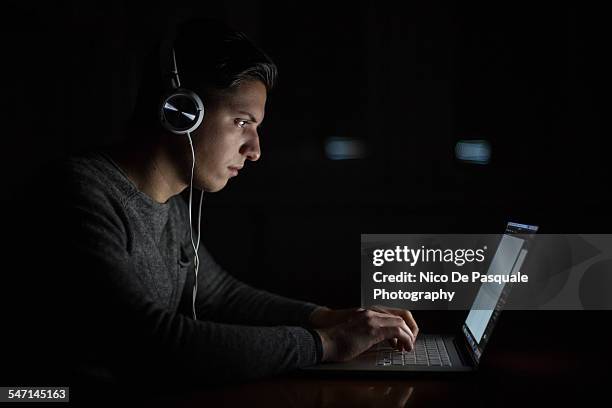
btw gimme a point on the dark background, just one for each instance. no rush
(408, 79)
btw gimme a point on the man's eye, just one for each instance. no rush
(241, 123)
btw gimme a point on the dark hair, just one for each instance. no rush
(210, 57)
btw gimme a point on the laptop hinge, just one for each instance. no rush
(462, 349)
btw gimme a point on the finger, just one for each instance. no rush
(376, 313)
(409, 319)
(404, 314)
(399, 321)
(380, 309)
(406, 329)
(384, 319)
(396, 321)
(370, 315)
(398, 332)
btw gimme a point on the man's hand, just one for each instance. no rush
(360, 330)
(404, 314)
(324, 317)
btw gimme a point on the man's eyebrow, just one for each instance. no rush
(251, 117)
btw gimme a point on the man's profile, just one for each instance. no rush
(119, 284)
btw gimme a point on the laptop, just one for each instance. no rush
(459, 352)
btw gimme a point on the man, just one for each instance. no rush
(125, 269)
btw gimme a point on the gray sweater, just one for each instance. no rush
(129, 262)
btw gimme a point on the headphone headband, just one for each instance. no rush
(181, 110)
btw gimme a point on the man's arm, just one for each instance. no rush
(224, 298)
(113, 314)
(221, 297)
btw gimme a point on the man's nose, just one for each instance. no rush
(252, 149)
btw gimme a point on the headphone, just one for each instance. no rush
(181, 112)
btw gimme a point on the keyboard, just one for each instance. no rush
(428, 351)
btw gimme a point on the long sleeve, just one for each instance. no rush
(224, 298)
(113, 315)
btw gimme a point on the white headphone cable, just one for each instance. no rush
(193, 244)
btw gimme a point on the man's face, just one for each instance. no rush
(228, 135)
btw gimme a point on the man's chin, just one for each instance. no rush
(213, 187)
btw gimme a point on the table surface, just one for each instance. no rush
(509, 378)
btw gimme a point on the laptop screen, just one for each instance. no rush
(508, 259)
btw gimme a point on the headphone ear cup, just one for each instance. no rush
(181, 111)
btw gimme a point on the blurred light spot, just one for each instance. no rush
(473, 151)
(343, 148)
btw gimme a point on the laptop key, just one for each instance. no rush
(426, 352)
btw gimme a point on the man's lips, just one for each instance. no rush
(234, 170)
